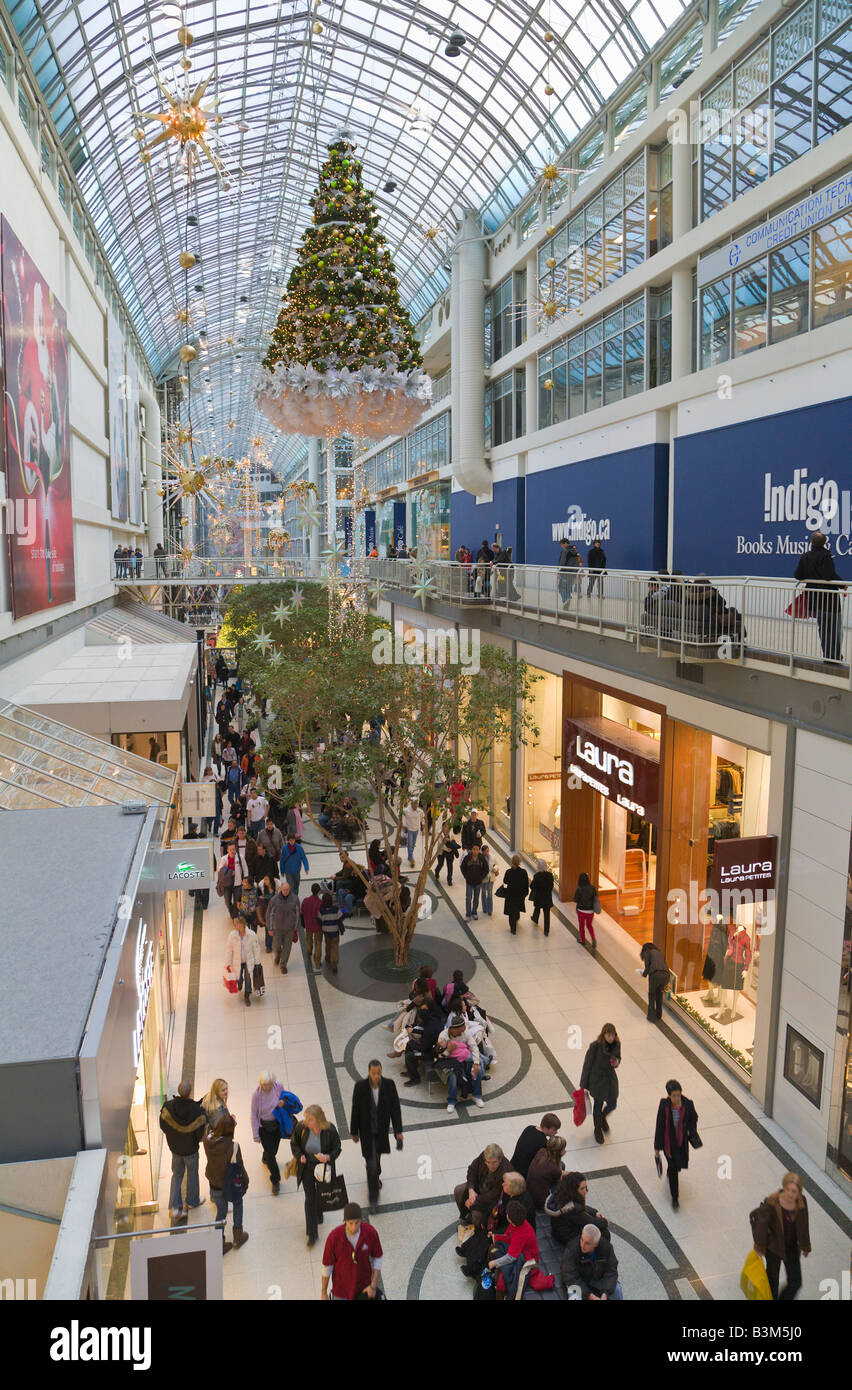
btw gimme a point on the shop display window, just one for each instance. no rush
(543, 772)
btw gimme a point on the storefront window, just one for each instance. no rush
(542, 772)
(430, 514)
(844, 1137)
(501, 787)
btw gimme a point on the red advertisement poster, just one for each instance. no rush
(40, 531)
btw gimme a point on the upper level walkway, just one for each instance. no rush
(771, 623)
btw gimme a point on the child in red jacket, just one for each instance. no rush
(521, 1239)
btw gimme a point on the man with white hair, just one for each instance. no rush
(590, 1269)
(265, 1128)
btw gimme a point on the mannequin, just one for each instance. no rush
(714, 960)
(736, 963)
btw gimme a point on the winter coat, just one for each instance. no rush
(283, 914)
(569, 558)
(329, 1141)
(263, 865)
(293, 860)
(769, 1227)
(815, 565)
(667, 1144)
(596, 559)
(273, 842)
(219, 1151)
(389, 1116)
(542, 1173)
(476, 870)
(584, 897)
(486, 1185)
(655, 963)
(233, 952)
(595, 1272)
(472, 833)
(182, 1120)
(293, 824)
(541, 888)
(599, 1076)
(517, 884)
(567, 1222)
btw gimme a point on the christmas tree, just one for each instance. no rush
(343, 355)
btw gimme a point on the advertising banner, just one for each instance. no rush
(134, 442)
(37, 434)
(398, 524)
(369, 530)
(117, 380)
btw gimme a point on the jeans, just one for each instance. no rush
(345, 901)
(294, 880)
(440, 862)
(282, 945)
(184, 1163)
(487, 897)
(469, 1083)
(222, 1208)
(567, 579)
(411, 839)
(270, 1138)
(471, 898)
(598, 1109)
(245, 978)
(595, 578)
(617, 1296)
(792, 1268)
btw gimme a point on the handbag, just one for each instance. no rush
(332, 1196)
(800, 607)
(501, 891)
(596, 906)
(230, 983)
(463, 1231)
(695, 1140)
(753, 1280)
(236, 1176)
(257, 980)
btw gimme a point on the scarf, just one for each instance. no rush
(679, 1135)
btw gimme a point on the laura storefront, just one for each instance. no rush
(658, 811)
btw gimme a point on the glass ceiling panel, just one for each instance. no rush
(471, 130)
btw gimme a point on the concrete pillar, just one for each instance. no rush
(152, 446)
(682, 276)
(682, 152)
(470, 469)
(313, 502)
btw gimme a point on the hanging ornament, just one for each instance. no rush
(186, 259)
(548, 385)
(187, 353)
(184, 122)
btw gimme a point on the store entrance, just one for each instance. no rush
(627, 869)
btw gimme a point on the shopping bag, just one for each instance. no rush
(230, 983)
(257, 980)
(331, 1196)
(753, 1280)
(463, 1230)
(799, 607)
(579, 1107)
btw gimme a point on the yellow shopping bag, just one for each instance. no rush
(753, 1280)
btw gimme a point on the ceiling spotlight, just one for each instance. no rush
(199, 289)
(244, 299)
(390, 186)
(455, 42)
(192, 220)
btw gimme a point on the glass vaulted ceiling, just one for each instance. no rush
(473, 130)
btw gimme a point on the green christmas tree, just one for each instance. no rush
(343, 354)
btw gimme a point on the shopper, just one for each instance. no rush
(545, 1170)
(448, 852)
(352, 1258)
(293, 860)
(596, 564)
(599, 1077)
(481, 1189)
(412, 824)
(331, 925)
(257, 810)
(242, 954)
(474, 871)
(282, 920)
(782, 1235)
(533, 1138)
(473, 831)
(423, 1035)
(570, 564)
(541, 892)
(459, 1054)
(183, 1121)
(658, 974)
(520, 1240)
(265, 894)
(160, 560)
(316, 1145)
(226, 872)
(311, 907)
(569, 1211)
(676, 1129)
(516, 886)
(264, 865)
(215, 1103)
(293, 824)
(272, 840)
(816, 567)
(227, 1177)
(266, 1131)
(590, 1268)
(375, 1108)
(486, 901)
(586, 900)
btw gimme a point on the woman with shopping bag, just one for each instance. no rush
(782, 1235)
(316, 1146)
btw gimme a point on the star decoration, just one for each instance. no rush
(297, 599)
(336, 551)
(309, 517)
(275, 658)
(262, 640)
(377, 590)
(424, 586)
(281, 612)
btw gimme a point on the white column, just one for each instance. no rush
(313, 502)
(152, 447)
(470, 469)
(682, 276)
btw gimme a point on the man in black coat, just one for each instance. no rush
(182, 1120)
(473, 831)
(657, 974)
(596, 564)
(589, 1265)
(375, 1107)
(823, 598)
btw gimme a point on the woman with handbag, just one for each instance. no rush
(781, 1234)
(315, 1143)
(676, 1130)
(588, 903)
(226, 874)
(266, 1130)
(516, 886)
(227, 1176)
(541, 892)
(599, 1077)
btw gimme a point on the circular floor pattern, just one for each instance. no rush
(367, 969)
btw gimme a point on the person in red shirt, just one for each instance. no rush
(521, 1240)
(352, 1258)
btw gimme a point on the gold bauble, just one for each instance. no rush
(548, 385)
(184, 521)
(550, 308)
(188, 353)
(548, 91)
(550, 172)
(184, 380)
(138, 133)
(185, 38)
(550, 262)
(186, 64)
(431, 233)
(550, 229)
(161, 492)
(145, 157)
(549, 38)
(317, 27)
(186, 259)
(230, 424)
(182, 316)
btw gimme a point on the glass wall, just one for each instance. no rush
(804, 284)
(616, 357)
(791, 92)
(430, 521)
(600, 243)
(505, 410)
(542, 774)
(428, 447)
(505, 317)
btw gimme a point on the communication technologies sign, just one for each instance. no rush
(793, 222)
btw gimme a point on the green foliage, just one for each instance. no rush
(342, 306)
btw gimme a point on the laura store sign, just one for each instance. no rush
(615, 761)
(747, 865)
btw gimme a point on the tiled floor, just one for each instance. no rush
(549, 998)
